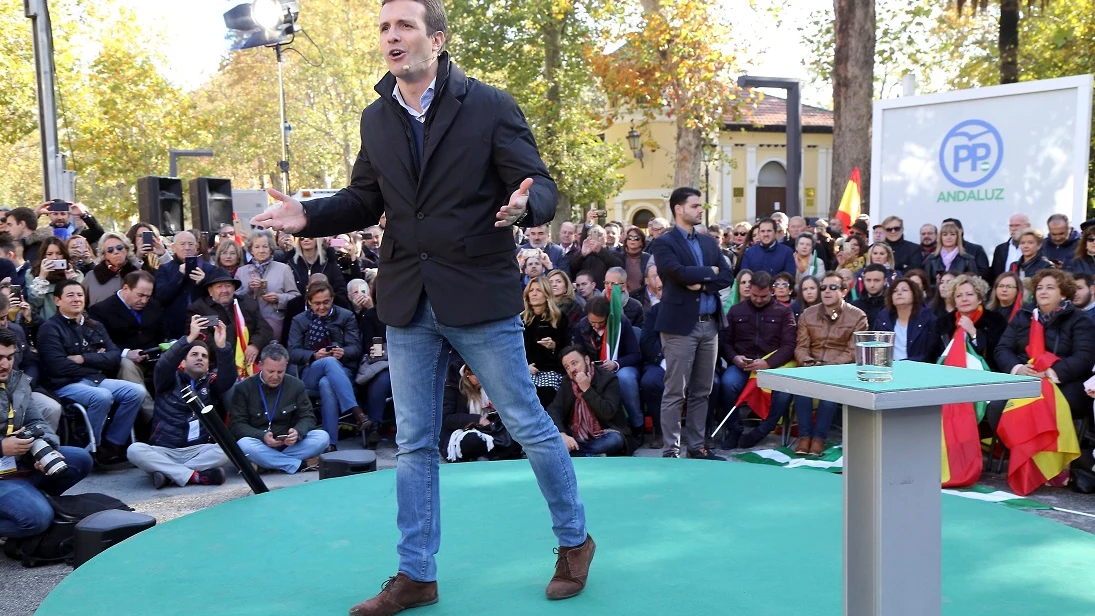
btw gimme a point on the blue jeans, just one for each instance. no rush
(24, 511)
(336, 391)
(804, 412)
(418, 356)
(377, 392)
(98, 399)
(629, 392)
(610, 443)
(285, 459)
(651, 388)
(730, 385)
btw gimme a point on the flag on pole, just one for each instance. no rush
(610, 344)
(730, 297)
(851, 201)
(962, 463)
(1038, 431)
(758, 398)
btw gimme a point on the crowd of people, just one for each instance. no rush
(633, 337)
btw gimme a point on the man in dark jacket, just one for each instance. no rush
(131, 317)
(587, 409)
(452, 164)
(178, 286)
(1060, 243)
(906, 254)
(326, 343)
(595, 257)
(1008, 252)
(540, 237)
(24, 510)
(222, 302)
(180, 449)
(873, 299)
(767, 255)
(759, 334)
(271, 416)
(633, 308)
(77, 359)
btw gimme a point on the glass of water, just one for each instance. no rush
(874, 356)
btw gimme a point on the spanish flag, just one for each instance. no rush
(851, 201)
(962, 463)
(758, 398)
(1038, 431)
(242, 337)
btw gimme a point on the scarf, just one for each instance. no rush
(1040, 359)
(317, 336)
(242, 337)
(948, 257)
(583, 423)
(260, 268)
(609, 345)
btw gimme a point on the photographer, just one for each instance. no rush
(24, 510)
(63, 216)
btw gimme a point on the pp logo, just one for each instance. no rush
(971, 153)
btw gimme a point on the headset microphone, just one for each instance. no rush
(407, 67)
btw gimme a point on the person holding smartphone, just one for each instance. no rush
(53, 266)
(179, 282)
(67, 219)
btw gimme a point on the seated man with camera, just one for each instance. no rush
(76, 357)
(271, 416)
(31, 460)
(326, 344)
(221, 304)
(179, 448)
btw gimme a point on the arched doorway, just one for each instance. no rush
(641, 218)
(771, 189)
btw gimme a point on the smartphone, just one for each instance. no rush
(378, 347)
(148, 238)
(330, 347)
(281, 438)
(600, 213)
(16, 291)
(211, 321)
(337, 243)
(56, 264)
(58, 205)
(262, 287)
(191, 264)
(598, 362)
(527, 253)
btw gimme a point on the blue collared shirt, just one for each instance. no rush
(425, 101)
(708, 305)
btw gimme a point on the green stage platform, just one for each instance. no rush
(673, 537)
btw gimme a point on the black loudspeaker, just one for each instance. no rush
(160, 202)
(210, 203)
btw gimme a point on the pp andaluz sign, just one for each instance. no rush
(969, 157)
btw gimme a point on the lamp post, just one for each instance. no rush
(635, 142)
(174, 155)
(708, 150)
(794, 132)
(271, 23)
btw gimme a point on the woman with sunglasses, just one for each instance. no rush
(1007, 295)
(116, 261)
(1084, 261)
(783, 285)
(635, 258)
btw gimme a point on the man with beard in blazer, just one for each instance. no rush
(453, 165)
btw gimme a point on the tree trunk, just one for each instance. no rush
(853, 95)
(553, 31)
(1009, 41)
(689, 155)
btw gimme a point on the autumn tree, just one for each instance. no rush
(535, 50)
(1010, 12)
(853, 87)
(669, 64)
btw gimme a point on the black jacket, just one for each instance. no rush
(122, 326)
(60, 337)
(603, 398)
(980, 258)
(596, 264)
(963, 263)
(999, 261)
(650, 341)
(440, 237)
(258, 330)
(919, 341)
(906, 255)
(342, 326)
(679, 270)
(175, 293)
(872, 305)
(1070, 335)
(546, 360)
(330, 268)
(171, 417)
(990, 327)
(1027, 268)
(626, 355)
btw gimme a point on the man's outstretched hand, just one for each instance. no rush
(286, 216)
(518, 203)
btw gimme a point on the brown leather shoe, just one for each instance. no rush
(397, 594)
(803, 447)
(817, 446)
(571, 570)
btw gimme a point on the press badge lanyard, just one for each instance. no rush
(262, 396)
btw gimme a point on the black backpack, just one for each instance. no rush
(55, 545)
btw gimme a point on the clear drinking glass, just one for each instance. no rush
(874, 356)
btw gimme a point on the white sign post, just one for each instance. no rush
(983, 154)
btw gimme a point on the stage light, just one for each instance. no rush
(268, 14)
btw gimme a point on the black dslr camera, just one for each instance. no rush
(44, 454)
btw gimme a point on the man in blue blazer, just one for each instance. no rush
(693, 271)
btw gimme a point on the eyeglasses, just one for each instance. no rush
(227, 233)
(635, 237)
(1006, 286)
(831, 287)
(892, 229)
(113, 249)
(1090, 238)
(781, 284)
(741, 233)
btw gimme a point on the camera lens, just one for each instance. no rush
(51, 461)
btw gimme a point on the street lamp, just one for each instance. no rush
(794, 132)
(634, 141)
(708, 151)
(271, 23)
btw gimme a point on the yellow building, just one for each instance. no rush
(746, 182)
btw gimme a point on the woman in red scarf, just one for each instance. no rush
(983, 328)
